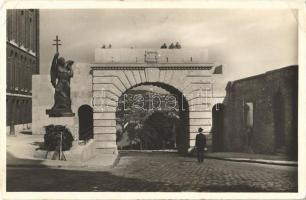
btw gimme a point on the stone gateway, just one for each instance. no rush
(101, 84)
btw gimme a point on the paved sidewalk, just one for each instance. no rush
(21, 149)
(20, 152)
(233, 156)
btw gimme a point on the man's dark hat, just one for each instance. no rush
(200, 129)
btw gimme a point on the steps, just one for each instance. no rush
(78, 152)
(84, 154)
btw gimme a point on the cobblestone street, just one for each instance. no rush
(167, 172)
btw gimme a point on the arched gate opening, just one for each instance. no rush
(156, 126)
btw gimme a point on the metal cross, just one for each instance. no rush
(57, 43)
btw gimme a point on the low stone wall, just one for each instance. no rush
(19, 128)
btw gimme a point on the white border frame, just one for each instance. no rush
(230, 4)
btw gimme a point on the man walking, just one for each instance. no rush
(200, 145)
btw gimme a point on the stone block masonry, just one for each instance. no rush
(100, 85)
(274, 97)
(111, 78)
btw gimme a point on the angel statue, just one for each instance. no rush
(61, 72)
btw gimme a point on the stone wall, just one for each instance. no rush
(273, 96)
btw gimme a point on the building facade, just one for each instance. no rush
(261, 113)
(22, 50)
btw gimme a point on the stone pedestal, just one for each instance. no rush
(43, 99)
(59, 113)
(64, 121)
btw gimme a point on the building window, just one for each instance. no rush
(9, 24)
(16, 113)
(8, 111)
(249, 123)
(34, 67)
(25, 75)
(30, 35)
(248, 110)
(19, 28)
(11, 70)
(20, 74)
(30, 75)
(14, 26)
(15, 70)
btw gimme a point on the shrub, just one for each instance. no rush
(52, 137)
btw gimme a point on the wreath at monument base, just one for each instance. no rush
(53, 136)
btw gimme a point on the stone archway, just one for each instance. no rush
(174, 97)
(85, 113)
(110, 81)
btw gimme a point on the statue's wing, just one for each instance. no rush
(69, 64)
(53, 71)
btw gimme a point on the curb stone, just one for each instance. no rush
(270, 162)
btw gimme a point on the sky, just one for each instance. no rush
(245, 41)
